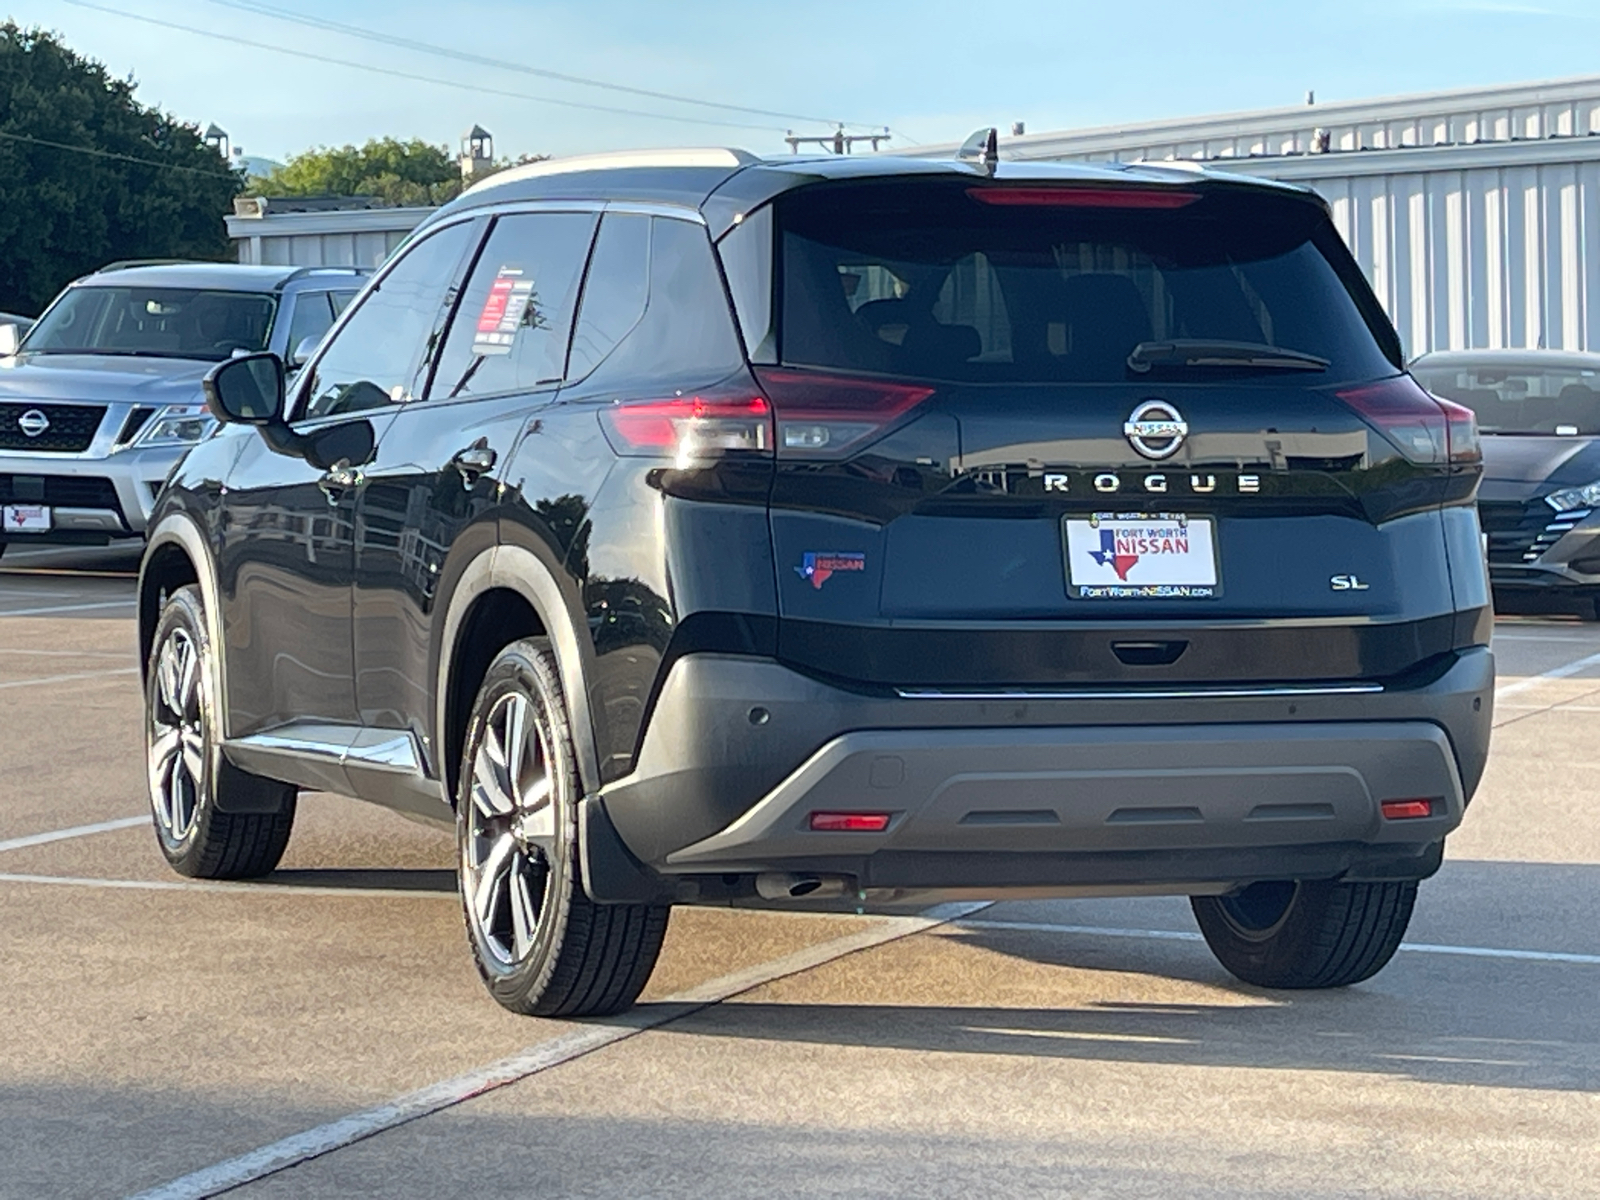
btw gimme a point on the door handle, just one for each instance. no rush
(473, 461)
(339, 479)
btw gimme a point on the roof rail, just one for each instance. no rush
(303, 272)
(719, 156)
(124, 264)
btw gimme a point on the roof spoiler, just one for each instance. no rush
(983, 148)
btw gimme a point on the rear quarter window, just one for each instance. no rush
(686, 335)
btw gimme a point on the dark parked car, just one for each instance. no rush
(1540, 500)
(691, 528)
(103, 397)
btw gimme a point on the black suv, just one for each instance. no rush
(693, 528)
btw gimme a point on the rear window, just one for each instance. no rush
(1520, 397)
(923, 280)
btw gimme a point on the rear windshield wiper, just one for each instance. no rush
(1197, 352)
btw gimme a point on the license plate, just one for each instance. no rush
(25, 518)
(1122, 556)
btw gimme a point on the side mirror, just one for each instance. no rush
(10, 336)
(247, 390)
(303, 352)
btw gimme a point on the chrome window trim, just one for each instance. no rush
(1226, 693)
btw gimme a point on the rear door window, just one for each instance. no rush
(514, 320)
(924, 280)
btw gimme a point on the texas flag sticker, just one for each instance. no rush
(819, 566)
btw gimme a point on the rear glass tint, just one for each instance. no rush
(922, 280)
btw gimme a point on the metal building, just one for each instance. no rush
(1475, 213)
(348, 232)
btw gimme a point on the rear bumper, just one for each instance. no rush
(1102, 793)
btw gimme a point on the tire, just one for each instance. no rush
(541, 945)
(186, 772)
(1317, 934)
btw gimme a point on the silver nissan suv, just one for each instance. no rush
(102, 397)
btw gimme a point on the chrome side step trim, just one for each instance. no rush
(344, 745)
(1226, 693)
(334, 757)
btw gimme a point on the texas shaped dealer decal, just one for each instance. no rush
(1108, 555)
(1121, 548)
(821, 565)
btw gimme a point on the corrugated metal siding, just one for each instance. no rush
(363, 249)
(354, 238)
(1489, 257)
(1518, 112)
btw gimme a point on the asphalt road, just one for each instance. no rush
(323, 1033)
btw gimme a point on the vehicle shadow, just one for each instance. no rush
(1452, 1018)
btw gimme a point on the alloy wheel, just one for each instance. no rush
(177, 750)
(510, 850)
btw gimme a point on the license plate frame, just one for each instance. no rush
(1175, 556)
(26, 518)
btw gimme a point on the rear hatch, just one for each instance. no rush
(1033, 435)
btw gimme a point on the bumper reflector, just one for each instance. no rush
(1405, 810)
(850, 822)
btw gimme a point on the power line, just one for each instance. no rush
(148, 162)
(412, 77)
(388, 39)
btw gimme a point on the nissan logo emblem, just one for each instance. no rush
(1155, 429)
(33, 422)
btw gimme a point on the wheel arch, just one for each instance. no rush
(177, 555)
(506, 593)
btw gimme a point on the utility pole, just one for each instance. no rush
(837, 142)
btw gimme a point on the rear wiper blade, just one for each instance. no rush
(1199, 352)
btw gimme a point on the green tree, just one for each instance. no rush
(395, 172)
(88, 174)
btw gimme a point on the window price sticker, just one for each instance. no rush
(503, 312)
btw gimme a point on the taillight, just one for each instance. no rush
(1427, 430)
(1083, 197)
(707, 424)
(1462, 431)
(823, 416)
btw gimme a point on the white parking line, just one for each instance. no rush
(313, 1143)
(130, 602)
(1561, 672)
(76, 831)
(1180, 935)
(181, 885)
(76, 675)
(4, 650)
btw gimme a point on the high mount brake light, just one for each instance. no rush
(705, 425)
(1427, 430)
(824, 416)
(1082, 197)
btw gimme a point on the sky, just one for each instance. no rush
(929, 70)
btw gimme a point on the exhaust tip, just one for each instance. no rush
(783, 885)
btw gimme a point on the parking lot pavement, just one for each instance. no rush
(159, 1030)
